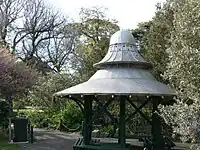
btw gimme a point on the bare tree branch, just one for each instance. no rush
(42, 28)
(9, 13)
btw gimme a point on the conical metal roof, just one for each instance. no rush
(122, 50)
(123, 71)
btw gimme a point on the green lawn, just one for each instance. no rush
(4, 143)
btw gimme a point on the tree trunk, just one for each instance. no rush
(9, 100)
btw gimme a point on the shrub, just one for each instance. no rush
(36, 117)
(107, 131)
(184, 119)
(66, 119)
(71, 116)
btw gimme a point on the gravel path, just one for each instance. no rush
(51, 140)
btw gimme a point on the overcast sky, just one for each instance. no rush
(128, 12)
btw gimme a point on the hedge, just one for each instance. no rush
(67, 119)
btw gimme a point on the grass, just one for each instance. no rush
(4, 145)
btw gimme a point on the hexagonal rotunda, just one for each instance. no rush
(123, 75)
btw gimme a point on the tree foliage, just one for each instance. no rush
(184, 53)
(184, 62)
(140, 35)
(95, 30)
(172, 46)
(157, 40)
(41, 94)
(82, 44)
(15, 77)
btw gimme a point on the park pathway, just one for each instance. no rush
(56, 140)
(51, 140)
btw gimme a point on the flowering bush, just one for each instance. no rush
(15, 77)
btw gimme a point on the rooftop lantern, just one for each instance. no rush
(123, 75)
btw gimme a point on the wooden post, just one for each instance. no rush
(31, 134)
(157, 138)
(122, 137)
(10, 130)
(87, 117)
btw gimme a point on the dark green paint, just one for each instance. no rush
(122, 136)
(87, 128)
(157, 138)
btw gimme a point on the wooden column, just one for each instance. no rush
(122, 131)
(157, 138)
(87, 127)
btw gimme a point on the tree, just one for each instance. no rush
(184, 54)
(95, 31)
(15, 77)
(59, 49)
(140, 35)
(41, 93)
(9, 13)
(41, 29)
(173, 47)
(184, 63)
(157, 40)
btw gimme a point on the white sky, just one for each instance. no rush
(128, 12)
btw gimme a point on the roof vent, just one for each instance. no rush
(122, 51)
